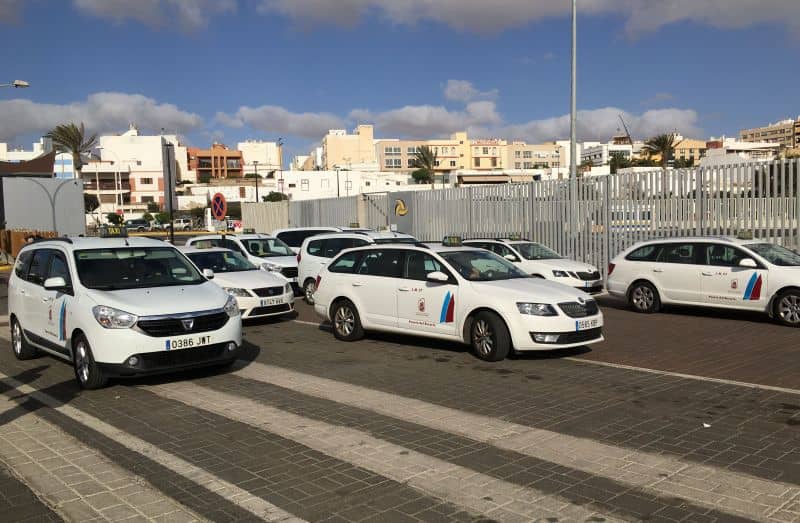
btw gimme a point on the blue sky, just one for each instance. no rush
(236, 69)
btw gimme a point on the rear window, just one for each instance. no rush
(646, 253)
(346, 263)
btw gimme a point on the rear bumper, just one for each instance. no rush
(150, 363)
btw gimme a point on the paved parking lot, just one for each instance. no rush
(397, 428)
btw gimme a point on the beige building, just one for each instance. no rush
(688, 149)
(523, 155)
(349, 151)
(399, 155)
(489, 154)
(786, 133)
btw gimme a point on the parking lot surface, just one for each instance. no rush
(397, 428)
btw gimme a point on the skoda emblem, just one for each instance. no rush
(187, 324)
(581, 300)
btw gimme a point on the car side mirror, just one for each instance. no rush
(438, 277)
(748, 262)
(511, 258)
(208, 273)
(55, 284)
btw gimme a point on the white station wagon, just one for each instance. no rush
(720, 272)
(455, 293)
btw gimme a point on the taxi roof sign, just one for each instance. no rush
(113, 231)
(452, 241)
(744, 235)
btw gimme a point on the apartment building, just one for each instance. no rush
(523, 155)
(688, 149)
(260, 156)
(217, 162)
(786, 133)
(399, 156)
(349, 151)
(488, 154)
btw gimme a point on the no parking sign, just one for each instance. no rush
(219, 207)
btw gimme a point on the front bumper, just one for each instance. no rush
(571, 332)
(150, 363)
(252, 307)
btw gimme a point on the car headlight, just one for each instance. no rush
(560, 274)
(231, 307)
(236, 292)
(112, 318)
(537, 309)
(287, 288)
(271, 267)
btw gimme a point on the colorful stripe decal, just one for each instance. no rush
(448, 309)
(62, 322)
(753, 290)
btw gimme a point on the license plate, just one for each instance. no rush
(582, 325)
(590, 284)
(187, 342)
(270, 301)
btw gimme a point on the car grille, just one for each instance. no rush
(180, 357)
(589, 276)
(574, 309)
(289, 272)
(265, 292)
(271, 309)
(174, 326)
(565, 338)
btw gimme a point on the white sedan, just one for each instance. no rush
(457, 293)
(258, 293)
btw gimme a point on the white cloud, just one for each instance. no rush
(101, 112)
(191, 15)
(464, 91)
(487, 17)
(658, 98)
(10, 11)
(280, 121)
(428, 121)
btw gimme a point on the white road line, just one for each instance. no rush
(256, 506)
(656, 474)
(459, 485)
(654, 371)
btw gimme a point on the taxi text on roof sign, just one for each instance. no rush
(113, 231)
(452, 241)
(744, 235)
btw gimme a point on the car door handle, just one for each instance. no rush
(22, 292)
(358, 284)
(403, 289)
(658, 270)
(47, 300)
(707, 273)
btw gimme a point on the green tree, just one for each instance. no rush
(114, 218)
(69, 138)
(162, 217)
(153, 207)
(425, 164)
(90, 202)
(147, 216)
(275, 197)
(618, 161)
(663, 144)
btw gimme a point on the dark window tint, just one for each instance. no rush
(38, 270)
(59, 268)
(334, 246)
(345, 263)
(503, 250)
(420, 264)
(23, 264)
(296, 238)
(646, 253)
(315, 248)
(722, 255)
(232, 245)
(387, 263)
(678, 253)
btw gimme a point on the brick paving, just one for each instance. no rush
(19, 503)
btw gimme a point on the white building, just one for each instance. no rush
(726, 151)
(269, 156)
(62, 167)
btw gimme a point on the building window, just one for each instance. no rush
(436, 163)
(477, 162)
(242, 192)
(485, 150)
(516, 154)
(146, 181)
(412, 162)
(528, 165)
(304, 184)
(476, 150)
(324, 183)
(138, 162)
(527, 154)
(412, 150)
(452, 163)
(391, 151)
(146, 199)
(393, 163)
(494, 162)
(367, 183)
(494, 151)
(517, 165)
(292, 185)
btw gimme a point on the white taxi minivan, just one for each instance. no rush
(119, 307)
(542, 262)
(455, 293)
(720, 272)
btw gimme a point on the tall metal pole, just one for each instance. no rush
(573, 117)
(255, 164)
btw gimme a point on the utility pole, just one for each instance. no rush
(255, 164)
(573, 132)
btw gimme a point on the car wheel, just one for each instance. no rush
(787, 308)
(346, 322)
(22, 350)
(140, 229)
(87, 373)
(308, 290)
(489, 336)
(643, 297)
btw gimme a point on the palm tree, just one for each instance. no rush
(69, 138)
(663, 144)
(425, 162)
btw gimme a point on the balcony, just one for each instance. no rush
(107, 186)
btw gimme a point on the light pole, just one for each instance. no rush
(17, 84)
(255, 165)
(338, 191)
(118, 200)
(573, 128)
(280, 160)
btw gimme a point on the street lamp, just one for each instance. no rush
(255, 165)
(280, 160)
(17, 84)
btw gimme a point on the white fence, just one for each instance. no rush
(590, 219)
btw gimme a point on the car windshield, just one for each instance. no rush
(267, 247)
(134, 268)
(482, 265)
(536, 251)
(221, 261)
(775, 254)
(394, 240)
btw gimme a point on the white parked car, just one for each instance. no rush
(258, 293)
(318, 250)
(181, 224)
(456, 293)
(119, 307)
(543, 262)
(267, 252)
(294, 237)
(711, 272)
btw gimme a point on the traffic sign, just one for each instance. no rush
(219, 207)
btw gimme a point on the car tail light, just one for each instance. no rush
(611, 268)
(316, 285)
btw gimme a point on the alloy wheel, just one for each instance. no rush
(309, 291)
(482, 337)
(345, 320)
(16, 338)
(789, 309)
(643, 298)
(82, 362)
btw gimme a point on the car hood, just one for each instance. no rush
(248, 279)
(563, 264)
(163, 300)
(534, 290)
(283, 261)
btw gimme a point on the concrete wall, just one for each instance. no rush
(27, 204)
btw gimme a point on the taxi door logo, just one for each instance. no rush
(753, 290)
(421, 305)
(734, 284)
(400, 208)
(448, 308)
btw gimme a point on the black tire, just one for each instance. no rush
(140, 229)
(346, 321)
(786, 308)
(489, 337)
(187, 228)
(87, 373)
(309, 286)
(22, 349)
(643, 297)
